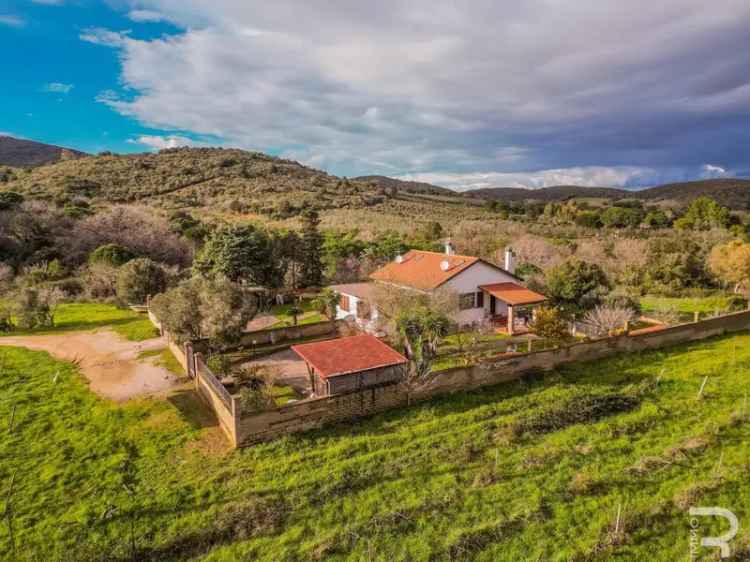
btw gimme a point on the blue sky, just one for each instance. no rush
(501, 93)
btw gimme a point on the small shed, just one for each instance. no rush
(352, 363)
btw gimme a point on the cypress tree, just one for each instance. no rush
(311, 274)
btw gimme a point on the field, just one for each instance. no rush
(532, 470)
(90, 316)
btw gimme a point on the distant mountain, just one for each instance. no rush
(400, 185)
(554, 193)
(734, 193)
(22, 153)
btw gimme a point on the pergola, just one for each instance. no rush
(514, 296)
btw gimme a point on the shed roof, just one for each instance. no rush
(344, 356)
(513, 293)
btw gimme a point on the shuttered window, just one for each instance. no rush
(344, 303)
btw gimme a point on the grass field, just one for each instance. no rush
(686, 305)
(90, 316)
(531, 470)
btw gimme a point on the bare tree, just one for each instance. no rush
(608, 320)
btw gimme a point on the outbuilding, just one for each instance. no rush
(351, 363)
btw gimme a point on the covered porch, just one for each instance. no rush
(511, 306)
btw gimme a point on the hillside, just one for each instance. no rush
(547, 194)
(533, 470)
(734, 193)
(22, 153)
(409, 186)
(231, 182)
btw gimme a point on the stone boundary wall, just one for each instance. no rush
(314, 413)
(278, 335)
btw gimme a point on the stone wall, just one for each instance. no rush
(278, 335)
(310, 414)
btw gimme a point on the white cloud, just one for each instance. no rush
(12, 21)
(434, 86)
(145, 16)
(157, 142)
(105, 37)
(710, 171)
(57, 88)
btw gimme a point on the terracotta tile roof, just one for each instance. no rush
(423, 270)
(348, 355)
(513, 294)
(363, 291)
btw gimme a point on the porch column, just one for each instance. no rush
(510, 320)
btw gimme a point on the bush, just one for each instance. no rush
(111, 254)
(577, 285)
(138, 279)
(35, 307)
(608, 320)
(549, 323)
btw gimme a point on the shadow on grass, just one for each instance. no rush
(192, 409)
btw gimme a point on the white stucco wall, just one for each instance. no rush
(368, 325)
(469, 281)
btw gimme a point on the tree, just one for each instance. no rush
(213, 308)
(549, 323)
(241, 253)
(621, 217)
(704, 214)
(312, 248)
(35, 307)
(138, 279)
(608, 320)
(421, 330)
(111, 254)
(656, 219)
(576, 285)
(10, 200)
(589, 219)
(327, 302)
(730, 262)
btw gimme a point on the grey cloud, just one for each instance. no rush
(434, 87)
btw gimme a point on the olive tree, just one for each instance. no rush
(138, 279)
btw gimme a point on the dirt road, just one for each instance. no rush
(108, 361)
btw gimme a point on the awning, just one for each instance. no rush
(513, 294)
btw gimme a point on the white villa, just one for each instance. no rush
(486, 292)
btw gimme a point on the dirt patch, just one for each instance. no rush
(290, 370)
(109, 362)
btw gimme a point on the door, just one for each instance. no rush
(493, 301)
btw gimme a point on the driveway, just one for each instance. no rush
(109, 362)
(289, 368)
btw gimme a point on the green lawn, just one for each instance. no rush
(310, 315)
(531, 470)
(685, 305)
(90, 316)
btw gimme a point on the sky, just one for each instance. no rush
(460, 94)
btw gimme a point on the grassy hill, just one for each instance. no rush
(409, 186)
(547, 194)
(532, 470)
(23, 153)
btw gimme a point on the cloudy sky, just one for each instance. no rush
(461, 94)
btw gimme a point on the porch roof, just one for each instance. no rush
(513, 294)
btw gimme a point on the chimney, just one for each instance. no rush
(510, 260)
(449, 250)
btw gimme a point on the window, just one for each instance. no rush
(363, 310)
(466, 301)
(480, 299)
(344, 303)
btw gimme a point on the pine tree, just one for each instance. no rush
(311, 274)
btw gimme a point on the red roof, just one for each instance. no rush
(348, 355)
(423, 270)
(513, 294)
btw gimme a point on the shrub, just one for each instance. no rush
(35, 307)
(608, 320)
(10, 200)
(549, 323)
(111, 254)
(138, 279)
(577, 285)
